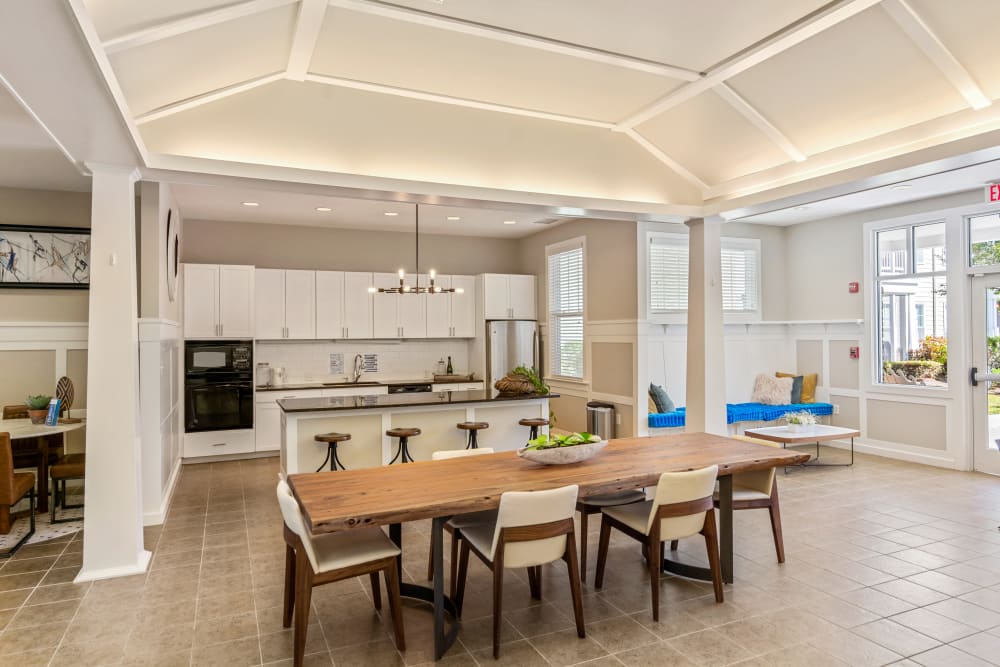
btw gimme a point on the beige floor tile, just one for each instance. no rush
(111, 652)
(709, 647)
(967, 613)
(653, 655)
(910, 592)
(620, 633)
(934, 625)
(375, 654)
(854, 649)
(896, 637)
(239, 653)
(566, 648)
(515, 654)
(948, 656)
(984, 645)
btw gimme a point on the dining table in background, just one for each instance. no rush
(395, 494)
(23, 429)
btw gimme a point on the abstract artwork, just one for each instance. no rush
(44, 257)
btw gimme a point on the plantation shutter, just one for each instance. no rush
(740, 275)
(668, 273)
(565, 274)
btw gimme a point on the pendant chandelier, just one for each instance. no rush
(403, 288)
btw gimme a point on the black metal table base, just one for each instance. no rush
(822, 465)
(444, 638)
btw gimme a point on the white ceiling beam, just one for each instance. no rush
(307, 27)
(454, 101)
(784, 40)
(748, 111)
(517, 38)
(667, 160)
(928, 42)
(190, 23)
(199, 100)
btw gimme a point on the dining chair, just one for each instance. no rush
(314, 560)
(13, 487)
(683, 506)
(533, 528)
(462, 520)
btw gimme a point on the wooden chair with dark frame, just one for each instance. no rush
(533, 528)
(13, 487)
(682, 507)
(314, 560)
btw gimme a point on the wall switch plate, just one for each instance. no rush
(836, 409)
(618, 419)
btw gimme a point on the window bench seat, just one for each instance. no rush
(742, 412)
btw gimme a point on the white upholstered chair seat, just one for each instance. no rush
(743, 493)
(612, 499)
(635, 516)
(480, 536)
(340, 550)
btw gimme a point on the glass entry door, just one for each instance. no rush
(985, 375)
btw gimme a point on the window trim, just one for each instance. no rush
(547, 370)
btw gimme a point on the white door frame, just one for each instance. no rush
(984, 459)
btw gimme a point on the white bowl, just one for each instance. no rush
(562, 455)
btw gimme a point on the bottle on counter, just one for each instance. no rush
(441, 367)
(451, 369)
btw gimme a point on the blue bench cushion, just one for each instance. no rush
(743, 412)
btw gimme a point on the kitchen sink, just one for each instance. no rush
(350, 384)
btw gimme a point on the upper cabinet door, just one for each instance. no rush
(330, 304)
(300, 304)
(496, 305)
(439, 310)
(412, 310)
(270, 303)
(522, 297)
(236, 301)
(201, 301)
(385, 319)
(358, 305)
(463, 308)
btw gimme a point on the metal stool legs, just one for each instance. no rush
(473, 442)
(403, 451)
(331, 456)
(533, 432)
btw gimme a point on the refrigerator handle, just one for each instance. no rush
(534, 351)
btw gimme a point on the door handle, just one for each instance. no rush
(975, 377)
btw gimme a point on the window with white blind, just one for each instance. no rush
(565, 275)
(668, 276)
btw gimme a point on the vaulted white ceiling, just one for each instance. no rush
(669, 103)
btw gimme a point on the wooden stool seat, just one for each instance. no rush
(534, 421)
(332, 437)
(70, 466)
(472, 426)
(403, 432)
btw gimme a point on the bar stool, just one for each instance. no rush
(404, 434)
(331, 440)
(534, 423)
(473, 428)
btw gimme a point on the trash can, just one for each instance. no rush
(601, 419)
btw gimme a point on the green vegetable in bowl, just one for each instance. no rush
(550, 442)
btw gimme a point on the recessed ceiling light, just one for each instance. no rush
(510, 222)
(323, 209)
(801, 208)
(391, 213)
(902, 186)
(251, 203)
(454, 217)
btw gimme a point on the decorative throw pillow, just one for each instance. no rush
(796, 389)
(771, 390)
(809, 382)
(652, 404)
(661, 398)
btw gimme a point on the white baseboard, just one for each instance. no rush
(158, 517)
(890, 450)
(111, 572)
(230, 457)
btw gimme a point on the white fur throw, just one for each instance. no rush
(770, 390)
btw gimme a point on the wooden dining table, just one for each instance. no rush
(392, 495)
(23, 429)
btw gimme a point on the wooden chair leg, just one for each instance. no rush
(376, 591)
(497, 607)
(583, 544)
(775, 510)
(533, 586)
(463, 570)
(674, 544)
(303, 597)
(602, 552)
(712, 545)
(286, 619)
(654, 563)
(574, 585)
(395, 605)
(5, 522)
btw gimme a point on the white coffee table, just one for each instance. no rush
(806, 435)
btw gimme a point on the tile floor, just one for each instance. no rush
(888, 562)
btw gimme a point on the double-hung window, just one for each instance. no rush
(668, 277)
(565, 267)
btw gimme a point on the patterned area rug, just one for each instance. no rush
(44, 530)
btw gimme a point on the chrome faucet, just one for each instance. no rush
(359, 367)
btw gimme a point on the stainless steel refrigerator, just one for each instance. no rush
(509, 344)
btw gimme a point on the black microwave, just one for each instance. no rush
(218, 356)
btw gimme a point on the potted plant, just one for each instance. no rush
(799, 421)
(560, 449)
(38, 408)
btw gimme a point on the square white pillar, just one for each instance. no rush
(113, 540)
(706, 364)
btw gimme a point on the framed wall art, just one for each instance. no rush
(44, 257)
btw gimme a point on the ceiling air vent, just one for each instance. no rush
(546, 221)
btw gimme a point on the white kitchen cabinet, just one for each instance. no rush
(218, 443)
(357, 305)
(399, 315)
(267, 416)
(452, 315)
(285, 304)
(218, 301)
(343, 305)
(458, 386)
(508, 297)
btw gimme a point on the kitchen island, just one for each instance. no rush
(367, 418)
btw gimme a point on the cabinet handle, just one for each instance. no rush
(219, 444)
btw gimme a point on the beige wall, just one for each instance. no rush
(809, 358)
(76, 370)
(610, 265)
(917, 424)
(844, 371)
(52, 209)
(26, 372)
(849, 415)
(154, 297)
(570, 413)
(295, 247)
(611, 368)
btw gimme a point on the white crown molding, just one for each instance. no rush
(757, 119)
(307, 29)
(206, 98)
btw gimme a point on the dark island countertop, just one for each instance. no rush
(299, 386)
(381, 401)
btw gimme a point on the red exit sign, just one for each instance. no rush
(993, 192)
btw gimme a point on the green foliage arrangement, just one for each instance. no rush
(39, 402)
(532, 376)
(551, 442)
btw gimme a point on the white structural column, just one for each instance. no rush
(706, 364)
(113, 542)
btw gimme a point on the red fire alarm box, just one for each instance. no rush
(855, 352)
(853, 288)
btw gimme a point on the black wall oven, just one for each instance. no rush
(218, 385)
